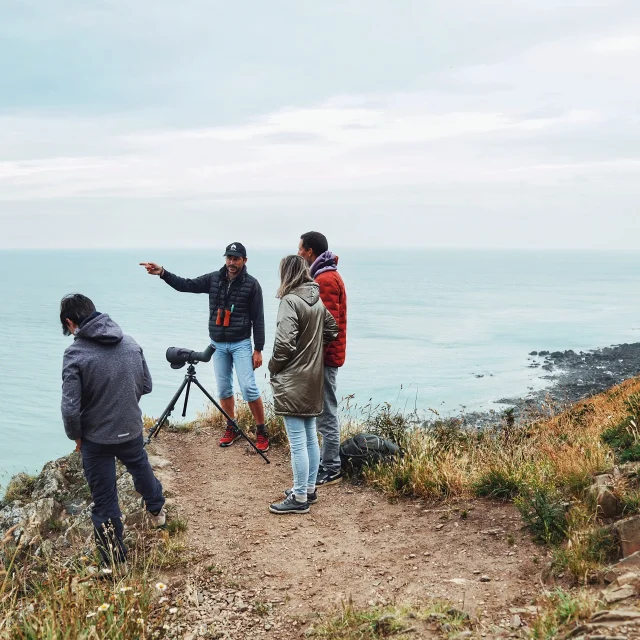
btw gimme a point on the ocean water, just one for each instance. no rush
(443, 330)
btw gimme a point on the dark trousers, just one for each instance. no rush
(99, 463)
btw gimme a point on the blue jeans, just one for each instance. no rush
(99, 464)
(328, 424)
(305, 454)
(240, 354)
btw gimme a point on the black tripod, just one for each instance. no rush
(189, 379)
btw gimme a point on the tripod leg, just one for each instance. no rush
(186, 399)
(167, 412)
(228, 417)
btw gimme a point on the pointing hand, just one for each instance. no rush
(152, 268)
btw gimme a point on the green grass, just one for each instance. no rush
(376, 623)
(20, 487)
(544, 512)
(560, 610)
(500, 483)
(624, 437)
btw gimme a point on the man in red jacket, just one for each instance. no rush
(314, 248)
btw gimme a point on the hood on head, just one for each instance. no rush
(309, 292)
(100, 328)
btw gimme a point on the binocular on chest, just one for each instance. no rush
(223, 319)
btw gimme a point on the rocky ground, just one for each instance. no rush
(246, 573)
(354, 545)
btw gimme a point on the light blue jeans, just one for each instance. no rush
(305, 454)
(238, 354)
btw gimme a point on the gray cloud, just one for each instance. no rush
(470, 124)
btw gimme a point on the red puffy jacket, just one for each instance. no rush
(334, 296)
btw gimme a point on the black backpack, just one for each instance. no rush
(365, 448)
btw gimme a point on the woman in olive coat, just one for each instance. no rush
(304, 328)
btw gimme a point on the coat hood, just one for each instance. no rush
(100, 328)
(309, 292)
(326, 261)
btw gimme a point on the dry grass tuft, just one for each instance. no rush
(51, 596)
(563, 451)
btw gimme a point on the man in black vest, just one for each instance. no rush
(235, 306)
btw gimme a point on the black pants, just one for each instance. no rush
(99, 463)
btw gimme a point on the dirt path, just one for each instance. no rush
(354, 543)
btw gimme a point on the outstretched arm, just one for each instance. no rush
(201, 284)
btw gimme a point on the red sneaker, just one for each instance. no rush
(262, 441)
(229, 437)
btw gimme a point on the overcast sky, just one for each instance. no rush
(466, 123)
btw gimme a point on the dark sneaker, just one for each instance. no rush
(311, 497)
(229, 437)
(289, 505)
(328, 477)
(262, 441)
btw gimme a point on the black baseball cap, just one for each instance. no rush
(235, 249)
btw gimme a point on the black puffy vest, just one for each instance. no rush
(244, 296)
(240, 295)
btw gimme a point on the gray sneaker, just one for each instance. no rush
(158, 520)
(311, 497)
(289, 505)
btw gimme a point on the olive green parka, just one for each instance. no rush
(304, 327)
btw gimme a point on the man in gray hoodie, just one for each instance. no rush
(104, 374)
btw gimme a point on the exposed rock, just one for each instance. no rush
(604, 480)
(608, 505)
(614, 593)
(616, 617)
(50, 483)
(625, 586)
(630, 563)
(60, 496)
(157, 462)
(628, 531)
(30, 520)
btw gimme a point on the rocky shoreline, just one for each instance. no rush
(573, 376)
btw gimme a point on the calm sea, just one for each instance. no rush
(423, 326)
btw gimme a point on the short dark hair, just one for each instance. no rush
(75, 307)
(315, 241)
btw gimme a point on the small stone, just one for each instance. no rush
(516, 622)
(485, 579)
(173, 610)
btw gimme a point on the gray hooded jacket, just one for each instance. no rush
(104, 374)
(304, 328)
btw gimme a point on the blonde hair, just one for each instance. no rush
(294, 271)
